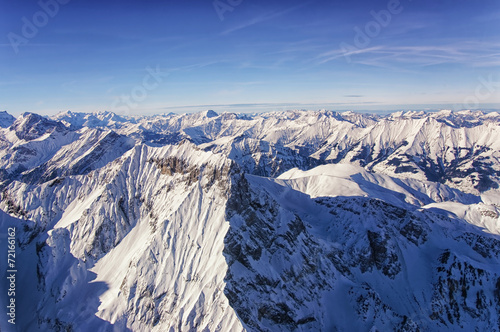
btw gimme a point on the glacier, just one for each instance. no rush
(281, 221)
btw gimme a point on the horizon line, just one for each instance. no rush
(388, 109)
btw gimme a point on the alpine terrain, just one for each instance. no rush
(285, 221)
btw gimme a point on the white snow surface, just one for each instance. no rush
(300, 220)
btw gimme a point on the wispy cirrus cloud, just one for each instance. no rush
(264, 17)
(338, 53)
(471, 53)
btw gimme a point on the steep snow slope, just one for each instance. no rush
(147, 231)
(459, 149)
(75, 120)
(283, 221)
(6, 120)
(51, 151)
(30, 141)
(355, 264)
(349, 180)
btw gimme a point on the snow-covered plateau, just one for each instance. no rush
(284, 221)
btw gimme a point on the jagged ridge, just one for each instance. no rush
(162, 217)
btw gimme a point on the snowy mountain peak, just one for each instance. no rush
(6, 120)
(287, 221)
(76, 120)
(211, 114)
(30, 126)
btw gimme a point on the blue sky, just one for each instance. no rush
(149, 56)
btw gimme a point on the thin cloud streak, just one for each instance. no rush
(466, 53)
(263, 18)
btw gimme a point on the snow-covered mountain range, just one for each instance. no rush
(286, 221)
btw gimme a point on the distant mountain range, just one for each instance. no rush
(284, 221)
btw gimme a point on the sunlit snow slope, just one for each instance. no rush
(290, 221)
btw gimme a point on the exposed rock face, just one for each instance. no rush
(6, 120)
(298, 221)
(458, 149)
(357, 263)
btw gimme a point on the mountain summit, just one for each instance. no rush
(286, 221)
